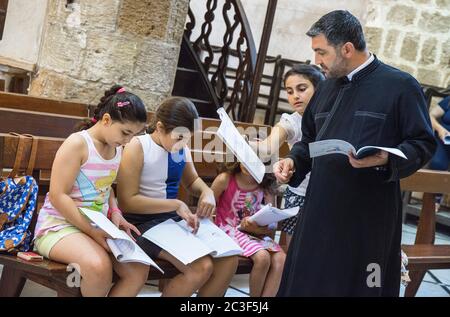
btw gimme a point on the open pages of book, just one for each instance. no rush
(215, 238)
(177, 239)
(269, 214)
(122, 246)
(335, 146)
(230, 135)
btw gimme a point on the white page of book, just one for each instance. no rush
(124, 248)
(230, 135)
(178, 241)
(215, 238)
(335, 146)
(269, 214)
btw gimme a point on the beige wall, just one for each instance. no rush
(23, 30)
(94, 44)
(413, 35)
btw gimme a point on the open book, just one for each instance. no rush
(230, 135)
(447, 140)
(122, 246)
(177, 239)
(332, 146)
(269, 214)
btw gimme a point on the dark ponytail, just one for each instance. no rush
(120, 105)
(175, 112)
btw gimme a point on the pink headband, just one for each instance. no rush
(121, 90)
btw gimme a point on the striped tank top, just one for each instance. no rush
(91, 189)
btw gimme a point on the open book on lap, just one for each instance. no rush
(122, 246)
(334, 146)
(230, 135)
(269, 214)
(177, 239)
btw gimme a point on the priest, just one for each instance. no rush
(347, 240)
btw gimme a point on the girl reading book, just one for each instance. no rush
(153, 167)
(300, 83)
(83, 171)
(239, 196)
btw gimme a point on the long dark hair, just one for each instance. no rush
(175, 112)
(268, 184)
(121, 105)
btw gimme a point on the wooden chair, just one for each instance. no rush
(424, 255)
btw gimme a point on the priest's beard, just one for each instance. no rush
(337, 69)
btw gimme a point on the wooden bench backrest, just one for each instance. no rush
(54, 118)
(430, 183)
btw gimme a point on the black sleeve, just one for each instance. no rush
(300, 151)
(414, 128)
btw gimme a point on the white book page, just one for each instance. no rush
(178, 241)
(230, 135)
(269, 214)
(122, 246)
(335, 146)
(331, 146)
(215, 238)
(387, 149)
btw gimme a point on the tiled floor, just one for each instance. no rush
(435, 283)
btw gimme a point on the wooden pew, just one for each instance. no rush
(424, 255)
(54, 120)
(52, 274)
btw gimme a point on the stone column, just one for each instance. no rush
(90, 45)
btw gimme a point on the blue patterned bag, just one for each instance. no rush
(17, 203)
(18, 198)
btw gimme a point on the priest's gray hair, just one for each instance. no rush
(339, 27)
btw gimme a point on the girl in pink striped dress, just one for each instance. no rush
(239, 196)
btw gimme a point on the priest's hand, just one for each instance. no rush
(378, 159)
(283, 170)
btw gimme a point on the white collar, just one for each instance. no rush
(357, 69)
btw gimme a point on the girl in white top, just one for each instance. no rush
(300, 83)
(154, 166)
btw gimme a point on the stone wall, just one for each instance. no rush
(90, 45)
(413, 35)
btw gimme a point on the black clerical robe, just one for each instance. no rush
(350, 228)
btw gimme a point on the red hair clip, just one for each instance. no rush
(121, 90)
(93, 120)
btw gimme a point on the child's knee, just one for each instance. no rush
(202, 267)
(137, 274)
(277, 260)
(229, 263)
(97, 267)
(261, 259)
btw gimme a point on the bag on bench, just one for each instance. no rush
(18, 198)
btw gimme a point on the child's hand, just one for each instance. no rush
(250, 226)
(206, 204)
(100, 237)
(121, 223)
(184, 212)
(283, 170)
